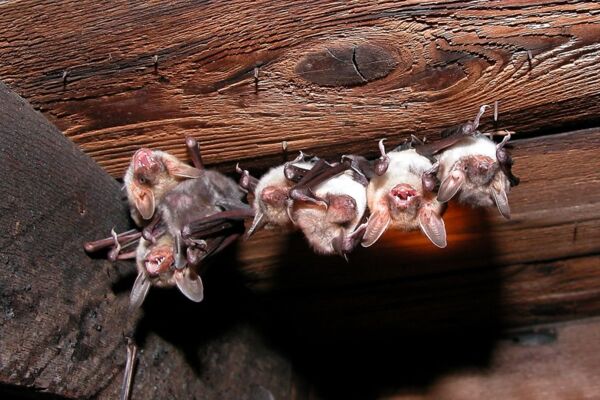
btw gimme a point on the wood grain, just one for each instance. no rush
(448, 58)
(63, 315)
(566, 368)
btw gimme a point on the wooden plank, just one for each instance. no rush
(333, 77)
(63, 314)
(567, 368)
(489, 299)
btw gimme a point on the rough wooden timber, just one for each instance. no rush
(63, 315)
(388, 69)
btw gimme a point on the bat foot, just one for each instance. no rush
(382, 164)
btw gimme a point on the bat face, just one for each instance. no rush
(159, 260)
(403, 199)
(471, 172)
(330, 230)
(155, 264)
(270, 200)
(152, 173)
(398, 200)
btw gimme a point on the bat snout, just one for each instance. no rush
(159, 261)
(342, 208)
(144, 162)
(273, 196)
(403, 196)
(480, 169)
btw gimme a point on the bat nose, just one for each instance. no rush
(273, 196)
(403, 196)
(144, 158)
(342, 201)
(403, 191)
(484, 166)
(159, 261)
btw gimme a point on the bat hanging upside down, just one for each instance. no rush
(472, 167)
(400, 198)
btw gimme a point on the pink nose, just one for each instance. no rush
(144, 158)
(484, 167)
(403, 191)
(159, 261)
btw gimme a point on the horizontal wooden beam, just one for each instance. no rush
(546, 362)
(331, 77)
(503, 269)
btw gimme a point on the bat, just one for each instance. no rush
(401, 198)
(271, 194)
(478, 172)
(328, 205)
(472, 166)
(152, 173)
(155, 264)
(185, 208)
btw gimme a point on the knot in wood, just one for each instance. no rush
(346, 65)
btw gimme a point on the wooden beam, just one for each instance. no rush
(547, 362)
(332, 77)
(63, 315)
(492, 272)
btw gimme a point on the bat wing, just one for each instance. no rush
(451, 185)
(376, 225)
(190, 284)
(433, 227)
(139, 291)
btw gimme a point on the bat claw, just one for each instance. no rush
(299, 157)
(504, 140)
(479, 115)
(382, 147)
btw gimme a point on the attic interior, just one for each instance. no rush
(507, 310)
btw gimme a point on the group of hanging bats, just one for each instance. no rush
(188, 214)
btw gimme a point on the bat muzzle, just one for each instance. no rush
(404, 196)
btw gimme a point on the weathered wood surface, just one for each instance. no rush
(63, 315)
(403, 282)
(566, 368)
(333, 76)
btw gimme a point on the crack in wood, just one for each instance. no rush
(355, 65)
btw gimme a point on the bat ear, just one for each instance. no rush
(501, 201)
(178, 168)
(144, 202)
(139, 291)
(190, 284)
(376, 226)
(259, 222)
(450, 186)
(432, 225)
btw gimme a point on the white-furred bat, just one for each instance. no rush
(271, 194)
(472, 167)
(328, 206)
(400, 199)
